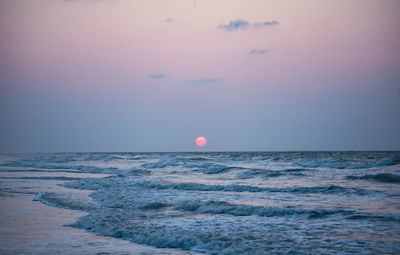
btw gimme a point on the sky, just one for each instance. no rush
(152, 75)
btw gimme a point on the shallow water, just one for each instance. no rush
(227, 203)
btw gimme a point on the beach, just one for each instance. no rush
(28, 226)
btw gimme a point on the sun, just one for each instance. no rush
(201, 141)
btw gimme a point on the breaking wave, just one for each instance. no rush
(215, 207)
(164, 161)
(246, 188)
(342, 164)
(68, 201)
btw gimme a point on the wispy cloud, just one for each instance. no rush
(243, 25)
(257, 52)
(157, 76)
(204, 81)
(169, 20)
(265, 24)
(234, 25)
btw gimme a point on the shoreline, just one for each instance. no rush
(29, 226)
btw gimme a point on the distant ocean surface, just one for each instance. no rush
(229, 202)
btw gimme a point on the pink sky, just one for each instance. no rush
(325, 63)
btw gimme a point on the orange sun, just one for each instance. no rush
(201, 141)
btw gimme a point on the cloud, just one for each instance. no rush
(265, 24)
(243, 25)
(157, 76)
(169, 20)
(257, 52)
(234, 25)
(203, 81)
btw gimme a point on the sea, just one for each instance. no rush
(223, 202)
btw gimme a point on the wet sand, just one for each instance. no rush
(31, 227)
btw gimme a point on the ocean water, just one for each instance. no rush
(229, 202)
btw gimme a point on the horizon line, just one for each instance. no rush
(214, 151)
